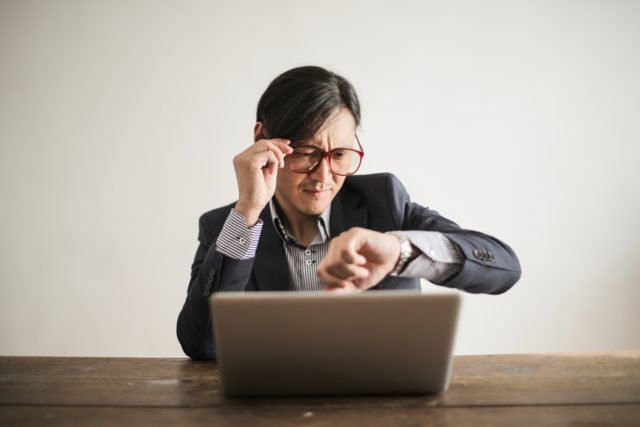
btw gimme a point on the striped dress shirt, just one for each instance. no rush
(438, 261)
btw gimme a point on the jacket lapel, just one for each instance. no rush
(347, 212)
(270, 267)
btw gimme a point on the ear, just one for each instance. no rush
(257, 132)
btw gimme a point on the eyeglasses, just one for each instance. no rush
(342, 161)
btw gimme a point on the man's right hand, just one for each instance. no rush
(256, 172)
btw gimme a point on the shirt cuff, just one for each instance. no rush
(439, 259)
(236, 240)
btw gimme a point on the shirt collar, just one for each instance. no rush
(323, 223)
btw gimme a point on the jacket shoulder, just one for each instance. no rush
(369, 182)
(382, 193)
(381, 187)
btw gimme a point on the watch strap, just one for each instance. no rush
(405, 252)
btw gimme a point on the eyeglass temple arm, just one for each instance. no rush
(359, 145)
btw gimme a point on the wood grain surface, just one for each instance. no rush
(526, 389)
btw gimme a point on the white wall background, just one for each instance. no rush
(119, 119)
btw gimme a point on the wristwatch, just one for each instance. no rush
(405, 252)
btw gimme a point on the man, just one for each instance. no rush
(303, 221)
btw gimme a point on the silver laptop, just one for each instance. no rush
(299, 343)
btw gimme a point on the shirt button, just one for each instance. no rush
(307, 252)
(308, 262)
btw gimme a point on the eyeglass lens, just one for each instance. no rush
(342, 161)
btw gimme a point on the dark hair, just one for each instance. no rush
(299, 101)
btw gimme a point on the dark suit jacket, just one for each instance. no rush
(377, 202)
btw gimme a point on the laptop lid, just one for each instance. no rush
(320, 343)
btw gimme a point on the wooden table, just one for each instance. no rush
(536, 389)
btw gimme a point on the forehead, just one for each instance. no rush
(339, 130)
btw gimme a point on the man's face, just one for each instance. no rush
(310, 194)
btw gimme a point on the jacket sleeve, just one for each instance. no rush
(211, 272)
(488, 265)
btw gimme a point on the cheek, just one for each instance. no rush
(287, 180)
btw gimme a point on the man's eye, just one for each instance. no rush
(305, 153)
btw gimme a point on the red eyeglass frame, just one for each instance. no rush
(327, 155)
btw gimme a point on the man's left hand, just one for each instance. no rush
(358, 259)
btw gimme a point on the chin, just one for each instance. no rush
(315, 208)
(314, 204)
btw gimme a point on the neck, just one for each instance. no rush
(303, 227)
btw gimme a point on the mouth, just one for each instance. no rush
(316, 192)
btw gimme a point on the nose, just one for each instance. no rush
(322, 172)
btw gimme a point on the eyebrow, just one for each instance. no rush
(309, 142)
